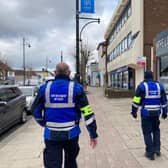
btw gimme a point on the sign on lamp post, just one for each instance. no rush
(87, 6)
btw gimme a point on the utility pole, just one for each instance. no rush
(24, 67)
(46, 62)
(77, 41)
(106, 73)
(24, 64)
(61, 56)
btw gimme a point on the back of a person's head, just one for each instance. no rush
(148, 75)
(62, 69)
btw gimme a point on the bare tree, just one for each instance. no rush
(85, 54)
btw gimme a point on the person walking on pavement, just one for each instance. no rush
(150, 95)
(58, 107)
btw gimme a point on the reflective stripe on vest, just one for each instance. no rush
(152, 107)
(164, 106)
(66, 126)
(60, 129)
(147, 91)
(135, 105)
(59, 105)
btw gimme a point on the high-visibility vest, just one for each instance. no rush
(60, 114)
(151, 105)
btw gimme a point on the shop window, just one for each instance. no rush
(120, 80)
(164, 66)
(115, 80)
(125, 80)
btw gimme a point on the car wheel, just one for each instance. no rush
(23, 116)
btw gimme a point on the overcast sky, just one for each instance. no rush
(49, 26)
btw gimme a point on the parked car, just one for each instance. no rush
(30, 92)
(12, 107)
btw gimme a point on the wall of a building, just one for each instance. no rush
(155, 21)
(138, 25)
(94, 81)
(101, 65)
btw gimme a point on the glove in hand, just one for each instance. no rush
(164, 115)
(134, 115)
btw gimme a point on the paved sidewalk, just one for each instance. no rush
(120, 140)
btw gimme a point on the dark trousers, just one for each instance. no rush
(151, 133)
(53, 153)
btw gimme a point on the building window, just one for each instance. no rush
(121, 47)
(121, 78)
(164, 66)
(164, 72)
(116, 80)
(129, 11)
(121, 21)
(108, 58)
(125, 44)
(125, 80)
(129, 39)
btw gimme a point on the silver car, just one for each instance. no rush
(30, 92)
(12, 107)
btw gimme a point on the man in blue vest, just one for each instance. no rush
(58, 107)
(150, 95)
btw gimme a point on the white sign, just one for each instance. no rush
(141, 61)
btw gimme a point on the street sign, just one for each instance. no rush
(87, 6)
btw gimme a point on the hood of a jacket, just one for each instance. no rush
(148, 75)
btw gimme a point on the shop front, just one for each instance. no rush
(123, 78)
(162, 54)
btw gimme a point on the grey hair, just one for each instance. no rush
(62, 68)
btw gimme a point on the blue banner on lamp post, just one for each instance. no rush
(87, 6)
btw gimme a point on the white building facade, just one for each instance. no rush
(130, 38)
(125, 45)
(102, 62)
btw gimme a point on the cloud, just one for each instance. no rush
(49, 25)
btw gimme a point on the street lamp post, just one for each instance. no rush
(78, 38)
(80, 35)
(77, 41)
(94, 20)
(46, 62)
(24, 64)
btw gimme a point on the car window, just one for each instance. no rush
(18, 91)
(27, 91)
(11, 93)
(3, 95)
(6, 94)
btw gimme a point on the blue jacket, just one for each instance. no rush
(58, 108)
(150, 95)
